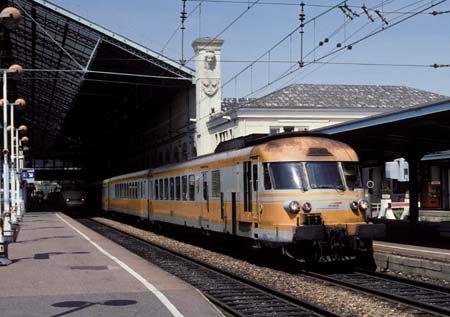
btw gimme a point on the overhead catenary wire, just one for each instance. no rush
(294, 69)
(272, 3)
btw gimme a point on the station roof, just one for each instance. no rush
(335, 96)
(412, 132)
(78, 73)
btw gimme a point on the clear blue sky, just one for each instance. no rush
(422, 40)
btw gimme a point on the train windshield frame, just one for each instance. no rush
(352, 175)
(285, 175)
(324, 175)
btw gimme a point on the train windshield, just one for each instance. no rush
(324, 175)
(352, 175)
(286, 175)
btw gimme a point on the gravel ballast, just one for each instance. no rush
(337, 299)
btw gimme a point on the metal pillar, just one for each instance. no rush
(6, 235)
(413, 162)
(12, 172)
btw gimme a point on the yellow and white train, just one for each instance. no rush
(301, 192)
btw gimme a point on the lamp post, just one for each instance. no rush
(10, 17)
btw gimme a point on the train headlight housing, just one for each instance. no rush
(354, 206)
(306, 207)
(292, 206)
(363, 205)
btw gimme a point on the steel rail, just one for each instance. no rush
(419, 295)
(235, 294)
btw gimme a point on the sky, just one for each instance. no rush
(408, 48)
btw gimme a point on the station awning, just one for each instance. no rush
(415, 131)
(78, 75)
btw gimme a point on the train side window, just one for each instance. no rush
(178, 188)
(156, 191)
(215, 184)
(166, 189)
(161, 190)
(267, 181)
(172, 188)
(255, 177)
(184, 187)
(191, 187)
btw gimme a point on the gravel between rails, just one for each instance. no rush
(339, 300)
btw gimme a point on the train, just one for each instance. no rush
(301, 193)
(72, 196)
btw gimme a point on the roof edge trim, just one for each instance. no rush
(389, 117)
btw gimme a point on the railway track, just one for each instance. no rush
(431, 299)
(235, 295)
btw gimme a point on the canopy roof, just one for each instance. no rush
(75, 66)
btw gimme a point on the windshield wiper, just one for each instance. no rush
(340, 187)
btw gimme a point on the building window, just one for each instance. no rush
(288, 129)
(274, 130)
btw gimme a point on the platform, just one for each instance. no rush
(62, 268)
(419, 260)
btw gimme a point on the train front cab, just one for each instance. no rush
(311, 198)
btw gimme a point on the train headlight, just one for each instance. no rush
(307, 207)
(292, 206)
(82, 199)
(354, 206)
(67, 199)
(363, 205)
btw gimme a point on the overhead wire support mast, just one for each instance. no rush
(183, 27)
(302, 31)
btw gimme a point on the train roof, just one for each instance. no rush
(129, 175)
(281, 147)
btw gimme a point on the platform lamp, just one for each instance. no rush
(20, 104)
(10, 17)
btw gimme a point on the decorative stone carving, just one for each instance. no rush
(210, 85)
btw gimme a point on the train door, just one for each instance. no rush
(106, 197)
(247, 174)
(149, 198)
(254, 190)
(233, 213)
(205, 197)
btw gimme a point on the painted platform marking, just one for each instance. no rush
(163, 299)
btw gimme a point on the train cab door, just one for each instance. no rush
(251, 189)
(254, 189)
